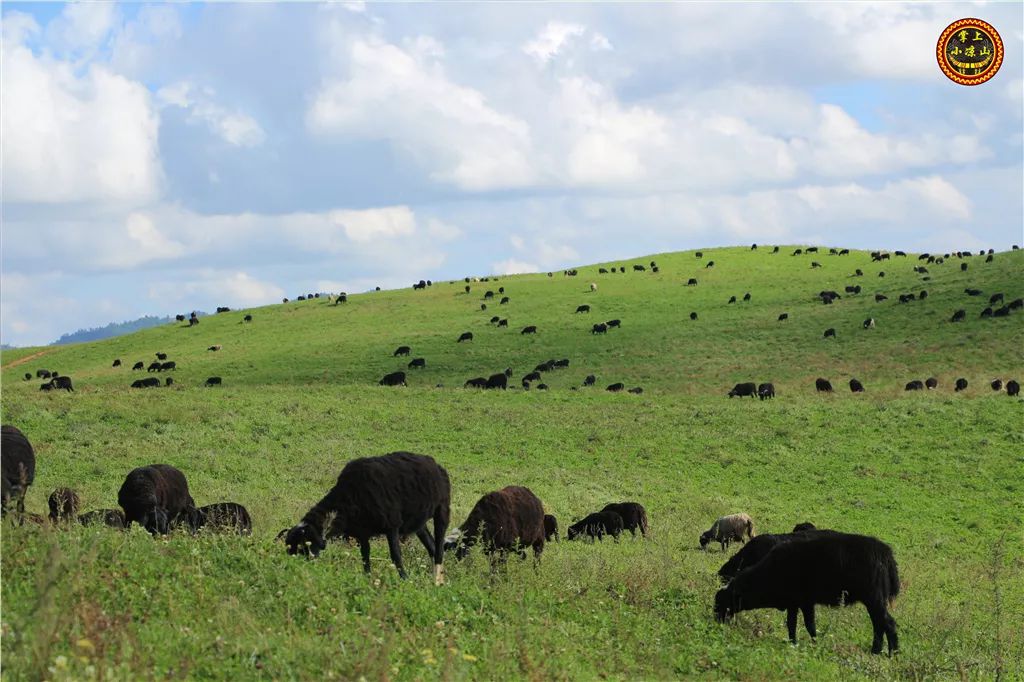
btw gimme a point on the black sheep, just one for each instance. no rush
(758, 547)
(62, 383)
(477, 382)
(856, 386)
(597, 525)
(401, 350)
(589, 380)
(616, 387)
(506, 520)
(765, 391)
(393, 379)
(550, 528)
(465, 336)
(744, 389)
(497, 381)
(634, 516)
(961, 385)
(393, 495)
(154, 496)
(824, 568)
(229, 516)
(417, 362)
(1012, 388)
(18, 466)
(823, 385)
(915, 385)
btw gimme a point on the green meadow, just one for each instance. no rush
(936, 474)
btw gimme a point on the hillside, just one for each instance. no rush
(938, 475)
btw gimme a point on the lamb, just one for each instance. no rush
(597, 525)
(63, 504)
(393, 495)
(18, 467)
(108, 517)
(155, 496)
(824, 568)
(506, 520)
(634, 516)
(726, 529)
(228, 516)
(550, 528)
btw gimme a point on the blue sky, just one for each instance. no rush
(164, 158)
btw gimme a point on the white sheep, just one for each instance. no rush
(727, 529)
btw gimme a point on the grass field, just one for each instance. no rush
(937, 475)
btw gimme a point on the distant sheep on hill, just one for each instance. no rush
(634, 516)
(394, 495)
(393, 379)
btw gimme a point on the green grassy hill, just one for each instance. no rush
(938, 475)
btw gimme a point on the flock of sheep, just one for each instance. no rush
(397, 495)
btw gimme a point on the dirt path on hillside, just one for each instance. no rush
(21, 361)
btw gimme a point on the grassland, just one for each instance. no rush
(938, 475)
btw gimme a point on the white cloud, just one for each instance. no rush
(81, 25)
(442, 230)
(512, 266)
(374, 224)
(74, 138)
(407, 98)
(234, 127)
(552, 38)
(234, 288)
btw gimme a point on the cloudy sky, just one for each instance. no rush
(164, 158)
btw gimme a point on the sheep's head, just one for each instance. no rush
(705, 538)
(156, 521)
(305, 540)
(725, 607)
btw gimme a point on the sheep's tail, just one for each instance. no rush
(894, 579)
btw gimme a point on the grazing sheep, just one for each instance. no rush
(497, 381)
(583, 309)
(503, 323)
(636, 390)
(154, 496)
(589, 380)
(506, 520)
(915, 385)
(959, 316)
(138, 365)
(692, 282)
(17, 467)
(400, 351)
(63, 504)
(744, 389)
(210, 381)
(593, 287)
(822, 385)
(869, 323)
(62, 383)
(732, 299)
(693, 316)
(221, 516)
(214, 348)
(856, 386)
(393, 379)
(420, 363)
(600, 328)
(597, 525)
(783, 317)
(529, 329)
(161, 356)
(828, 568)
(616, 387)
(108, 517)
(726, 529)
(476, 382)
(961, 385)
(465, 336)
(931, 382)
(1012, 388)
(504, 300)
(117, 363)
(634, 516)
(394, 495)
(614, 323)
(830, 332)
(28, 377)
(997, 384)
(765, 391)
(550, 528)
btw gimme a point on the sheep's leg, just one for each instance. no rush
(424, 535)
(395, 547)
(364, 549)
(440, 527)
(809, 620)
(890, 633)
(791, 614)
(878, 623)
